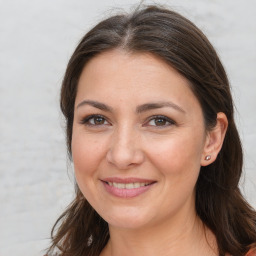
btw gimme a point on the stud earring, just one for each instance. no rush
(207, 158)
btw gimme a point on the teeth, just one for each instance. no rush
(127, 185)
(120, 185)
(137, 185)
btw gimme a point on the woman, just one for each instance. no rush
(151, 132)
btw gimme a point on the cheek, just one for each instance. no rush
(87, 155)
(178, 162)
(178, 156)
(86, 152)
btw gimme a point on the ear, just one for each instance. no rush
(214, 140)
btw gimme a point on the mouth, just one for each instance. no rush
(128, 185)
(127, 188)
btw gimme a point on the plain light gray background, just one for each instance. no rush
(36, 41)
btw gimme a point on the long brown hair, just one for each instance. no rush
(219, 203)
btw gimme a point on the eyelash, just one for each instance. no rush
(160, 117)
(86, 120)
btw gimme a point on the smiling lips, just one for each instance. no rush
(127, 188)
(127, 185)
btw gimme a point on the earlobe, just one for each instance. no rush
(214, 140)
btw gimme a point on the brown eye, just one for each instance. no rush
(95, 120)
(160, 121)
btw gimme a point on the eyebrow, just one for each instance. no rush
(156, 105)
(142, 108)
(95, 104)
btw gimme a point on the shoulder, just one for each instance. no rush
(252, 252)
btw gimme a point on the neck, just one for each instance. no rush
(180, 236)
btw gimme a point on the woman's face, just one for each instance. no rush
(138, 139)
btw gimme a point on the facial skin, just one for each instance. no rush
(131, 136)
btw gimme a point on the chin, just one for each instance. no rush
(127, 223)
(128, 219)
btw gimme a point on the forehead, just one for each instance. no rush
(133, 65)
(117, 75)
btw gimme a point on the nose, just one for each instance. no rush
(125, 150)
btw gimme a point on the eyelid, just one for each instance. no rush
(85, 120)
(169, 120)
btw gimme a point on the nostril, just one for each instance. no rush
(124, 157)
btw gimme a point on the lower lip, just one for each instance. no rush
(126, 193)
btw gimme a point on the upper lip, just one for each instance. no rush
(127, 180)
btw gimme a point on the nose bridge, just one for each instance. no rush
(125, 149)
(124, 135)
